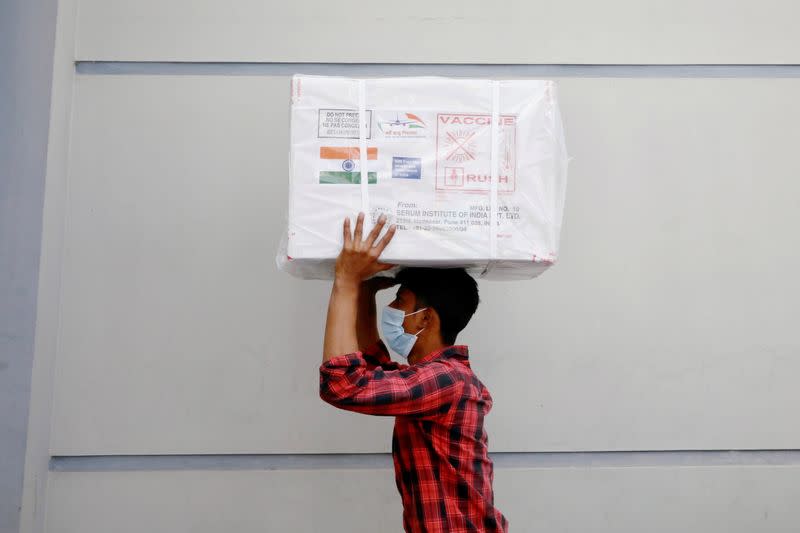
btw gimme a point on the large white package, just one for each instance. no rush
(427, 144)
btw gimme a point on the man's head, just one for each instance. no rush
(449, 294)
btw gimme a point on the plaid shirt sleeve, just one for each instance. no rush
(377, 355)
(369, 382)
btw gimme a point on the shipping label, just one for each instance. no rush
(407, 167)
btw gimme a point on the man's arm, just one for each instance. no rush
(369, 341)
(367, 319)
(357, 261)
(426, 390)
(340, 326)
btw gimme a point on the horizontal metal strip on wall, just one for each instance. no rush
(473, 70)
(667, 458)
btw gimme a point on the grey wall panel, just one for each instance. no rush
(729, 499)
(175, 318)
(354, 501)
(667, 324)
(671, 320)
(571, 31)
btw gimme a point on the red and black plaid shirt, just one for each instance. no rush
(439, 447)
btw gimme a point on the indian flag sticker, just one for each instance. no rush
(340, 164)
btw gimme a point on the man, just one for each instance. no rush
(439, 446)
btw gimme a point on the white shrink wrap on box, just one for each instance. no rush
(472, 171)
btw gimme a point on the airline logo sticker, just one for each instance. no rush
(463, 152)
(401, 125)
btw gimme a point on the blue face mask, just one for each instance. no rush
(392, 329)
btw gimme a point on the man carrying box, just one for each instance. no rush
(439, 446)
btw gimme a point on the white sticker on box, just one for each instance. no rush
(341, 124)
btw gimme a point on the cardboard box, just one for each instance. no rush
(429, 162)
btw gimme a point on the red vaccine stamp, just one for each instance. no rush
(464, 156)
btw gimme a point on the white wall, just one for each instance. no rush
(665, 333)
(26, 64)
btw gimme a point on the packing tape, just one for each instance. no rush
(494, 177)
(362, 151)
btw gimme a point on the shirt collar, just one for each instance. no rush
(457, 351)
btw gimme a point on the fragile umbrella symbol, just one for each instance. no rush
(460, 145)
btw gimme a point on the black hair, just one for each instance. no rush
(451, 291)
